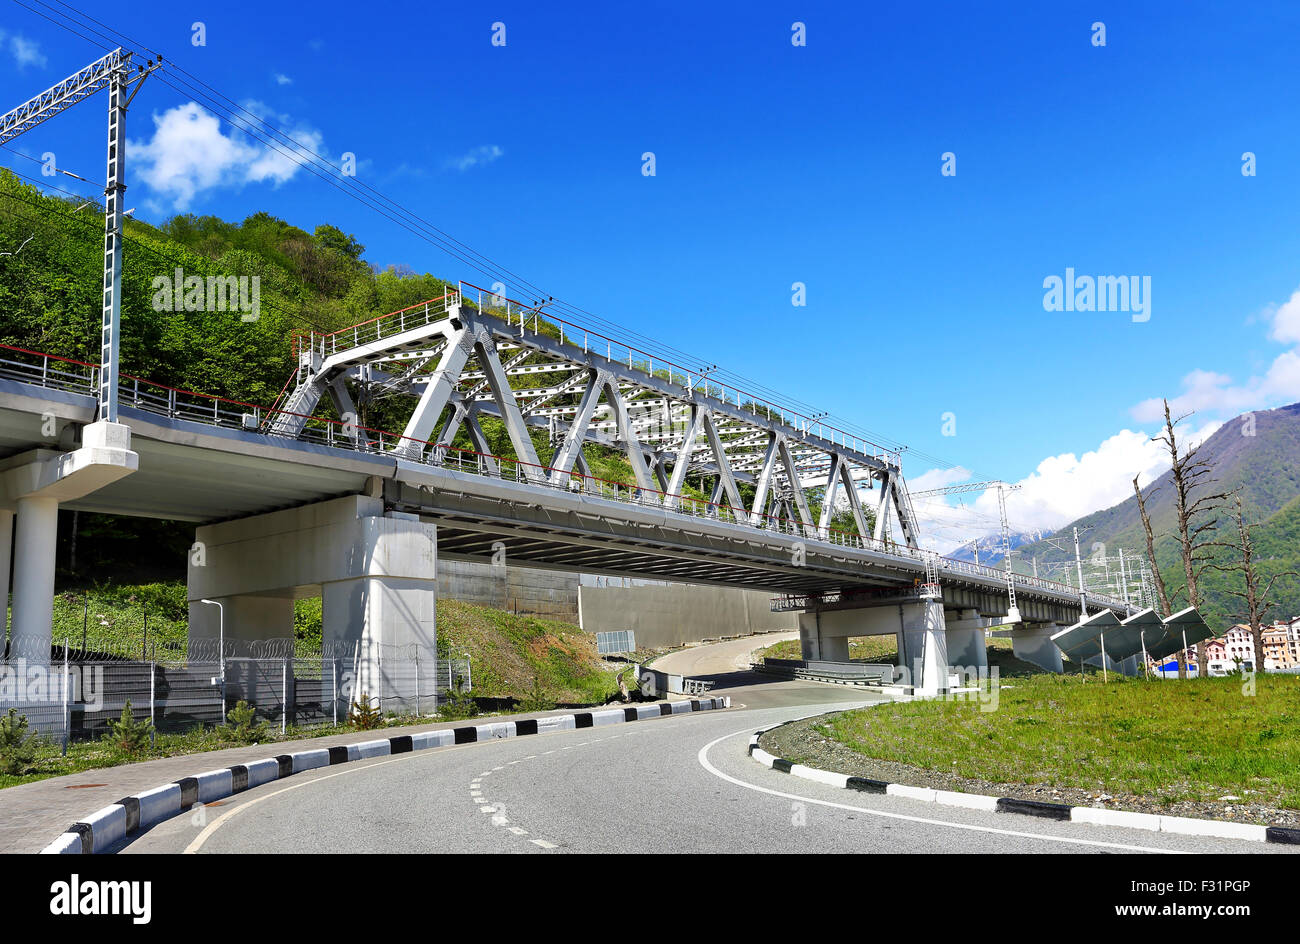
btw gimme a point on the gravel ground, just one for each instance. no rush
(798, 742)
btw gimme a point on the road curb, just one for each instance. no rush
(1152, 822)
(128, 816)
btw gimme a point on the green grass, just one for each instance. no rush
(511, 653)
(1193, 740)
(113, 618)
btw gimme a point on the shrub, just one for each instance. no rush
(243, 726)
(127, 734)
(18, 746)
(459, 704)
(536, 699)
(364, 715)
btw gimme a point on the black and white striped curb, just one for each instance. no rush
(103, 828)
(1152, 822)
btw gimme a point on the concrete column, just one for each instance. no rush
(383, 621)
(37, 536)
(965, 639)
(925, 643)
(1032, 642)
(835, 648)
(810, 647)
(6, 542)
(377, 576)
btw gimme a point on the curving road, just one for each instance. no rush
(677, 784)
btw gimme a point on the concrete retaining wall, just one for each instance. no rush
(544, 593)
(680, 613)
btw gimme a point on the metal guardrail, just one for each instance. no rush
(865, 671)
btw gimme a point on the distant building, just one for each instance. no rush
(1282, 645)
(1235, 650)
(1239, 649)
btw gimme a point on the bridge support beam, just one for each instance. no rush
(1032, 642)
(918, 627)
(965, 638)
(925, 646)
(375, 572)
(34, 484)
(37, 536)
(816, 645)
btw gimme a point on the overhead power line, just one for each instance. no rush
(257, 127)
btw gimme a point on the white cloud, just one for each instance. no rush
(1062, 488)
(26, 52)
(189, 154)
(1217, 393)
(485, 154)
(282, 79)
(1286, 321)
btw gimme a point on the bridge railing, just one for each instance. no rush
(376, 329)
(50, 370)
(531, 316)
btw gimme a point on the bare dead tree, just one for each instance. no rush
(1165, 609)
(1258, 601)
(1196, 506)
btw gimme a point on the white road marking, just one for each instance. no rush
(487, 809)
(518, 832)
(703, 758)
(543, 843)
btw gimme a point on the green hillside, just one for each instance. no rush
(1264, 466)
(318, 280)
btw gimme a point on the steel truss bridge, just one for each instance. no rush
(207, 458)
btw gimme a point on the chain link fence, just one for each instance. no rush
(74, 693)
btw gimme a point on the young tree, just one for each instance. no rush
(1257, 600)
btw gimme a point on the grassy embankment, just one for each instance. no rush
(1170, 741)
(1191, 740)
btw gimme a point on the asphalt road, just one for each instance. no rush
(676, 784)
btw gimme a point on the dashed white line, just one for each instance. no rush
(543, 843)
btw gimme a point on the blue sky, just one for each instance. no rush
(778, 164)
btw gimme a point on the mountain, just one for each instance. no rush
(988, 549)
(1257, 453)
